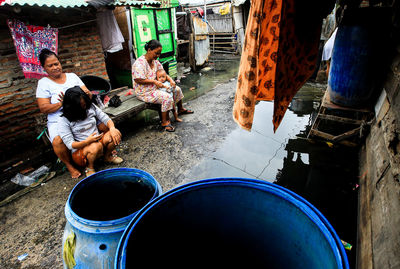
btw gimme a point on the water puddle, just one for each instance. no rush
(259, 154)
(219, 70)
(326, 176)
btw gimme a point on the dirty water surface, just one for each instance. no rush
(324, 174)
(207, 144)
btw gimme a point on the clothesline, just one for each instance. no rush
(76, 24)
(84, 22)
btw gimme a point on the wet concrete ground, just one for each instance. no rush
(206, 144)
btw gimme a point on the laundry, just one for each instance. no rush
(225, 9)
(29, 40)
(111, 36)
(278, 58)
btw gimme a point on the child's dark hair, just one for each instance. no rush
(44, 54)
(72, 108)
(152, 45)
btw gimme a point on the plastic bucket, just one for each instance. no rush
(97, 85)
(98, 210)
(230, 222)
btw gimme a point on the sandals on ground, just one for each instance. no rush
(185, 111)
(168, 128)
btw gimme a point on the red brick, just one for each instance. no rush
(6, 106)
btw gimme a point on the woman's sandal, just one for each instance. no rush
(115, 160)
(168, 128)
(89, 171)
(185, 111)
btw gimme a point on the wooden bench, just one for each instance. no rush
(129, 107)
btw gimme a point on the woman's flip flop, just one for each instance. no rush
(185, 111)
(168, 128)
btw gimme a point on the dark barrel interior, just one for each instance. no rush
(228, 227)
(95, 83)
(111, 197)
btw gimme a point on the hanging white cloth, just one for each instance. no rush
(328, 48)
(110, 34)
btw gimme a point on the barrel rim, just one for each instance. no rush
(306, 207)
(109, 226)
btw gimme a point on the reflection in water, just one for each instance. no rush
(256, 154)
(323, 175)
(328, 182)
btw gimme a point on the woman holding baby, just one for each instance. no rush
(147, 87)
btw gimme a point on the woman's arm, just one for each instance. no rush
(86, 90)
(46, 107)
(114, 132)
(149, 82)
(91, 138)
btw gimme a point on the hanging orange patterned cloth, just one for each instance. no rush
(279, 55)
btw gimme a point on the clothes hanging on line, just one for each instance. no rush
(29, 40)
(278, 58)
(110, 34)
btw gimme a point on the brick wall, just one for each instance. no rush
(80, 52)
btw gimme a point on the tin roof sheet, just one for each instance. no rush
(75, 3)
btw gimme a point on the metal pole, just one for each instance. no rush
(205, 10)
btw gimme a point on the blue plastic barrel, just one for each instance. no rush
(351, 74)
(230, 223)
(360, 57)
(98, 210)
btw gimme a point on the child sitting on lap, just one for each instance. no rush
(162, 77)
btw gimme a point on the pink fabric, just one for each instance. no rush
(29, 40)
(150, 93)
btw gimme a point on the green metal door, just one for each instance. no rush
(143, 29)
(165, 33)
(154, 24)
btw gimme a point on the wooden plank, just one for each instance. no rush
(326, 102)
(181, 41)
(364, 225)
(330, 138)
(321, 134)
(339, 119)
(221, 33)
(200, 37)
(192, 61)
(347, 134)
(130, 106)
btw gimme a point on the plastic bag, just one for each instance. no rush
(115, 101)
(26, 180)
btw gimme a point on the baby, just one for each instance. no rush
(162, 77)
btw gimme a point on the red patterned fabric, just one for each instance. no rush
(29, 40)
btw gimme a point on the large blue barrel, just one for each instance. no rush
(350, 77)
(98, 210)
(358, 59)
(230, 223)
